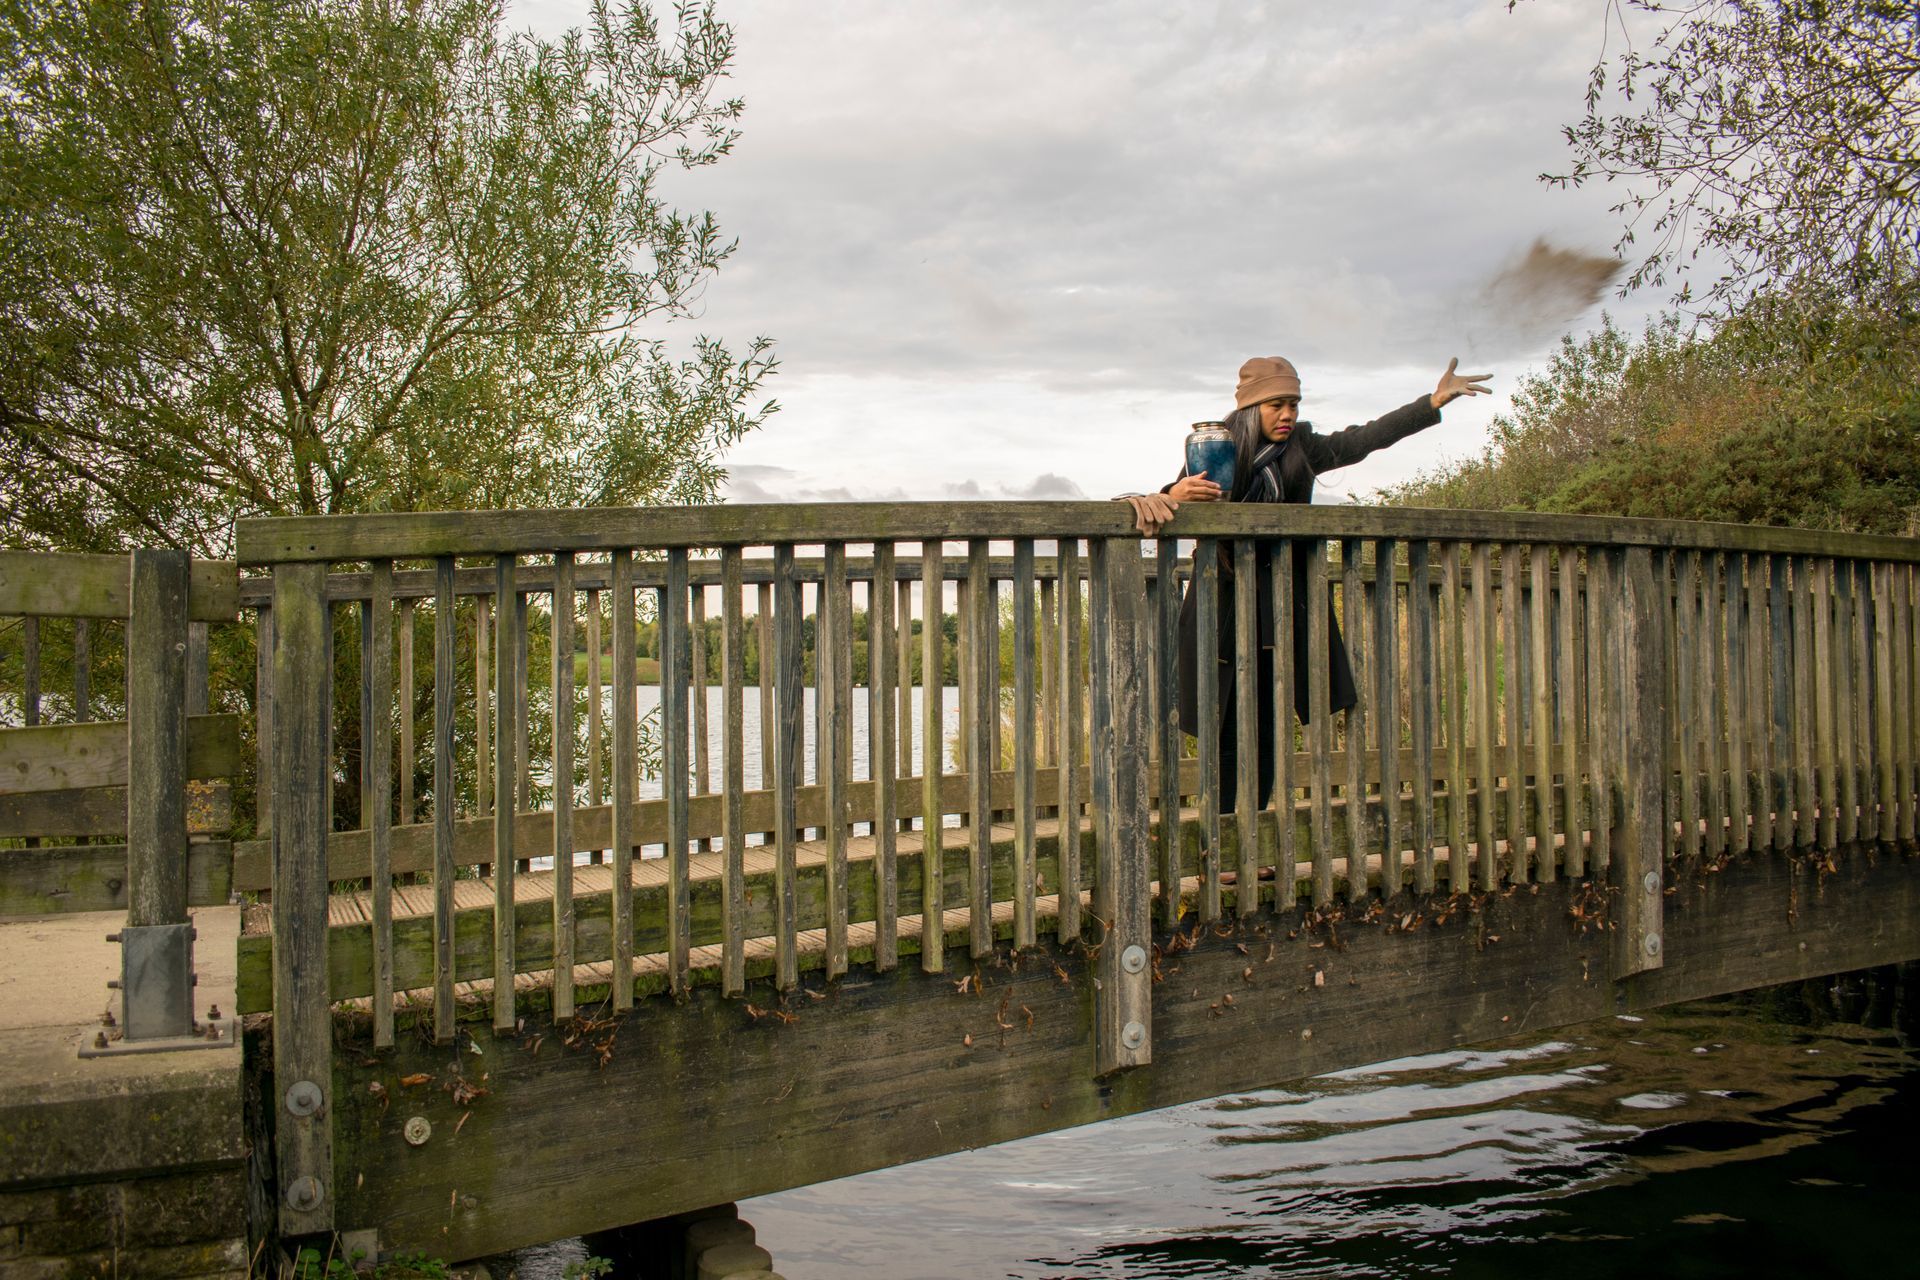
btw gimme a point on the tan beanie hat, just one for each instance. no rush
(1265, 377)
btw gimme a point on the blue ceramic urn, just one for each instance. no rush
(1210, 451)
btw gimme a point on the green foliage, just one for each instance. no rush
(1781, 138)
(317, 256)
(1791, 412)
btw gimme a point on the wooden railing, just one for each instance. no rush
(129, 813)
(1540, 697)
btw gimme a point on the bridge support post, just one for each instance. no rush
(1641, 833)
(1122, 723)
(302, 1026)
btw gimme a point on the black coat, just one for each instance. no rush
(1306, 454)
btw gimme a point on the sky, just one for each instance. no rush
(1014, 249)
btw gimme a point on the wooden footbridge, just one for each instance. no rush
(539, 942)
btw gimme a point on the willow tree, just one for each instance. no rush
(318, 256)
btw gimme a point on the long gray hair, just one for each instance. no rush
(1247, 439)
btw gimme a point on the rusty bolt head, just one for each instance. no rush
(416, 1131)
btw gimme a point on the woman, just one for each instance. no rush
(1276, 459)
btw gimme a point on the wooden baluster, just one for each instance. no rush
(443, 798)
(596, 728)
(1285, 682)
(409, 754)
(376, 790)
(1907, 695)
(83, 679)
(763, 631)
(1602, 594)
(1386, 710)
(1353, 613)
(1206, 582)
(1686, 637)
(522, 752)
(1804, 723)
(1124, 999)
(884, 730)
(933, 869)
(836, 700)
(1048, 622)
(30, 664)
(1246, 693)
(1883, 702)
(506, 766)
(1025, 818)
(1514, 655)
(1319, 720)
(675, 661)
(1073, 741)
(1733, 667)
(1567, 687)
(1710, 677)
(1167, 729)
(1825, 728)
(1420, 707)
(983, 658)
(482, 767)
(626, 773)
(263, 718)
(733, 958)
(563, 747)
(697, 663)
(1484, 683)
(1640, 845)
(1760, 793)
(1540, 636)
(1780, 701)
(1454, 665)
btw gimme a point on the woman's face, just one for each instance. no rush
(1277, 417)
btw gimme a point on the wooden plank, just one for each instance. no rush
(885, 728)
(1780, 710)
(1805, 727)
(983, 663)
(1386, 717)
(1454, 669)
(1285, 679)
(83, 670)
(506, 771)
(674, 662)
(763, 632)
(1319, 720)
(424, 535)
(482, 706)
(697, 664)
(1514, 659)
(787, 764)
(1849, 695)
(69, 757)
(903, 680)
(409, 756)
(1602, 699)
(1903, 698)
(1883, 703)
(963, 674)
(1167, 723)
(1757, 627)
(1421, 719)
(156, 768)
(522, 721)
(1353, 614)
(1124, 998)
(1686, 641)
(626, 768)
(1826, 730)
(1206, 585)
(1049, 747)
(1025, 816)
(30, 671)
(932, 713)
(596, 728)
(302, 1022)
(1483, 682)
(1073, 738)
(57, 879)
(1733, 669)
(733, 784)
(60, 584)
(563, 612)
(1540, 636)
(1712, 705)
(443, 803)
(1640, 843)
(102, 811)
(263, 724)
(1250, 768)
(1567, 694)
(376, 797)
(836, 772)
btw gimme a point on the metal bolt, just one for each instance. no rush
(1652, 944)
(1133, 1035)
(1306, 1033)
(100, 1041)
(416, 1131)
(304, 1097)
(304, 1194)
(113, 937)
(113, 984)
(1133, 959)
(213, 1013)
(1651, 882)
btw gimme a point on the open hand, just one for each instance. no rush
(1454, 385)
(1151, 511)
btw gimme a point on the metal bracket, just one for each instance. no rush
(156, 992)
(222, 1033)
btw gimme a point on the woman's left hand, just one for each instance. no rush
(1454, 385)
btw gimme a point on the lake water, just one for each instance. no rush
(1757, 1135)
